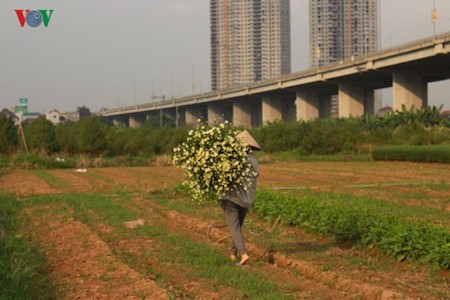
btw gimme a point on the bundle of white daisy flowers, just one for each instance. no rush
(215, 161)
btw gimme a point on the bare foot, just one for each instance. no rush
(244, 259)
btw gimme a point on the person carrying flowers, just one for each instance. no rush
(220, 167)
(236, 202)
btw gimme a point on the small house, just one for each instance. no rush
(55, 116)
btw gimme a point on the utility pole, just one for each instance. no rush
(118, 97)
(434, 17)
(193, 81)
(22, 134)
(171, 84)
(135, 94)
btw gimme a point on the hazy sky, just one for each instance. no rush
(110, 53)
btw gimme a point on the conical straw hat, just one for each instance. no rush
(246, 138)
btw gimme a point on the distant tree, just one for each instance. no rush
(116, 139)
(91, 136)
(66, 134)
(41, 136)
(107, 121)
(8, 135)
(83, 112)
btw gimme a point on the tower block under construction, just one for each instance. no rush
(250, 41)
(341, 29)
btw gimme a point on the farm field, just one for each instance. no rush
(179, 250)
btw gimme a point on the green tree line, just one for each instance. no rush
(96, 136)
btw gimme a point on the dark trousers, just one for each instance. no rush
(234, 216)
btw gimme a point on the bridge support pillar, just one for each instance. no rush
(215, 114)
(181, 117)
(171, 117)
(192, 115)
(176, 117)
(219, 112)
(351, 100)
(242, 113)
(371, 105)
(272, 109)
(136, 120)
(307, 105)
(408, 89)
(119, 121)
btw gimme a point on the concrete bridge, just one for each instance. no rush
(307, 95)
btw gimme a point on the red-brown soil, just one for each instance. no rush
(83, 263)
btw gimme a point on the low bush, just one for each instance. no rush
(416, 241)
(414, 153)
(320, 136)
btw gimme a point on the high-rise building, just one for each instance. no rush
(250, 41)
(341, 29)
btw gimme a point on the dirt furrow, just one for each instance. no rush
(23, 183)
(81, 264)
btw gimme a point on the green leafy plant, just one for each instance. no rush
(400, 238)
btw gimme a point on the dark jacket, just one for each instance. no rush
(244, 196)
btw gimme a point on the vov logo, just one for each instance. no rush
(34, 18)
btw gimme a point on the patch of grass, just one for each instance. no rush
(328, 267)
(438, 186)
(52, 180)
(340, 157)
(4, 161)
(105, 209)
(100, 177)
(207, 263)
(22, 264)
(177, 199)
